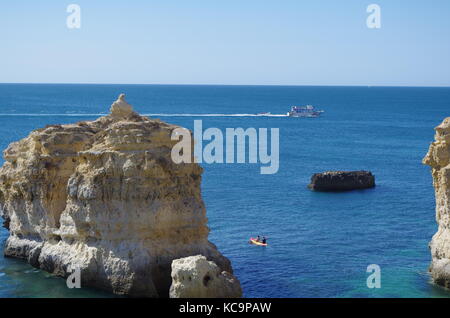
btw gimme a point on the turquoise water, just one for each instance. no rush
(320, 243)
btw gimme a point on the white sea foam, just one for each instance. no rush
(152, 115)
(49, 115)
(216, 115)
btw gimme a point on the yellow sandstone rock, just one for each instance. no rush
(438, 158)
(105, 197)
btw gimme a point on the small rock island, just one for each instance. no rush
(104, 197)
(342, 181)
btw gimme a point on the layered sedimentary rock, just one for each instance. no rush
(438, 158)
(105, 197)
(342, 181)
(196, 277)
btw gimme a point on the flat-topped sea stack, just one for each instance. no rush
(342, 181)
(105, 197)
(438, 158)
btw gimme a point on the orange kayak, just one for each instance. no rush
(254, 241)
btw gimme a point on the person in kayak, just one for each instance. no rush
(258, 239)
(264, 240)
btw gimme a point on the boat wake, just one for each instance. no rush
(151, 115)
(217, 115)
(50, 115)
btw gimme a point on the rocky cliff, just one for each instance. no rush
(438, 158)
(105, 197)
(196, 277)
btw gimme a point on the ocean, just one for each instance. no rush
(320, 244)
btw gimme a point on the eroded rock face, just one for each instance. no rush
(342, 181)
(438, 158)
(6, 220)
(106, 197)
(196, 277)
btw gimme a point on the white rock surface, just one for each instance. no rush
(196, 277)
(438, 158)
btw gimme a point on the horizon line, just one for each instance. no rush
(215, 84)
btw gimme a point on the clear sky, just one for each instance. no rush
(280, 42)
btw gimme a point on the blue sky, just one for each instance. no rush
(260, 42)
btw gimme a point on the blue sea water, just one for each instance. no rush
(320, 244)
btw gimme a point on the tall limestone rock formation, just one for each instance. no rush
(438, 158)
(105, 197)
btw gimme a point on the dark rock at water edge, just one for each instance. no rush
(6, 221)
(342, 181)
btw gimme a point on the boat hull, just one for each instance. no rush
(255, 242)
(304, 115)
